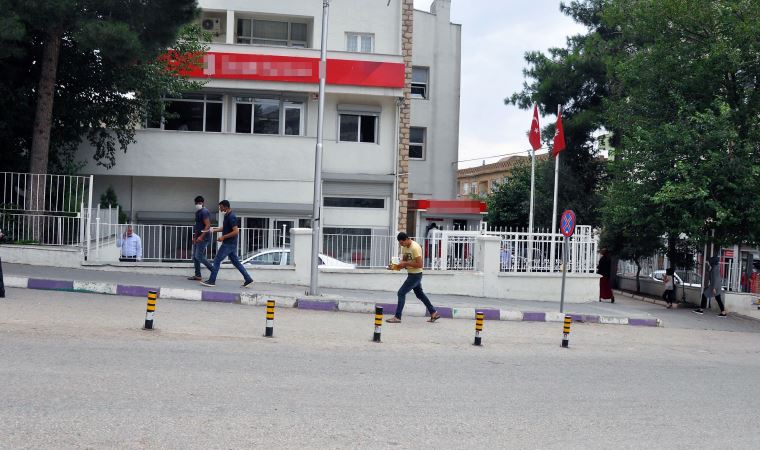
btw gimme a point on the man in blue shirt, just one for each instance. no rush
(229, 240)
(201, 238)
(131, 246)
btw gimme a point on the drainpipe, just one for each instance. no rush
(394, 197)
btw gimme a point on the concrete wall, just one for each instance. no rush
(41, 255)
(437, 45)
(374, 17)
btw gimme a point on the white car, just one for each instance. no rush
(657, 275)
(281, 257)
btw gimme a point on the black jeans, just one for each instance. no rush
(669, 295)
(2, 283)
(717, 297)
(413, 283)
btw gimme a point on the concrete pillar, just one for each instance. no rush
(488, 249)
(230, 35)
(300, 249)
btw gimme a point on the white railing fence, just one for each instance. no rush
(173, 243)
(40, 229)
(525, 252)
(58, 193)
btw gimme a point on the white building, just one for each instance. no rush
(249, 135)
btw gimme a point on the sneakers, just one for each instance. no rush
(207, 283)
(247, 284)
(393, 319)
(698, 311)
(195, 278)
(723, 314)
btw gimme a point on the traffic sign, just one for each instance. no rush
(567, 223)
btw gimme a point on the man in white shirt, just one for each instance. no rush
(131, 246)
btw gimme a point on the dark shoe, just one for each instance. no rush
(722, 314)
(698, 311)
(433, 317)
(613, 300)
(195, 278)
(393, 319)
(670, 305)
(207, 283)
(247, 284)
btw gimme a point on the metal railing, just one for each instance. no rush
(41, 229)
(173, 243)
(58, 193)
(531, 252)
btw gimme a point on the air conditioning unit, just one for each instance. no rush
(212, 25)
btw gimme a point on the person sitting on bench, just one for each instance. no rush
(131, 246)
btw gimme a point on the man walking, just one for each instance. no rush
(229, 240)
(201, 238)
(411, 261)
(131, 246)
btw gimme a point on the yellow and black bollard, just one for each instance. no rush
(479, 316)
(378, 323)
(151, 310)
(270, 319)
(566, 331)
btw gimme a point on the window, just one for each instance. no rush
(271, 32)
(420, 82)
(357, 128)
(473, 188)
(466, 188)
(192, 112)
(354, 202)
(268, 116)
(360, 42)
(416, 143)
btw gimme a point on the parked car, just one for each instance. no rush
(694, 279)
(281, 257)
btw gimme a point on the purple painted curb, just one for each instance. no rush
(317, 305)
(220, 297)
(56, 285)
(389, 309)
(446, 313)
(135, 291)
(643, 322)
(490, 314)
(587, 318)
(534, 317)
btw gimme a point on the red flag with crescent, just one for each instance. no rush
(535, 131)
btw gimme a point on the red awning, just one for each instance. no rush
(449, 206)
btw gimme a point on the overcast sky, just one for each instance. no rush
(495, 36)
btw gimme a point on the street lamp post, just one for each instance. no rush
(317, 208)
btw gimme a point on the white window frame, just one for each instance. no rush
(360, 115)
(284, 103)
(423, 144)
(425, 85)
(360, 38)
(205, 101)
(466, 188)
(290, 42)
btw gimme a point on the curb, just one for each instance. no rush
(305, 303)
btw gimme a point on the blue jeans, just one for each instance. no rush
(231, 252)
(413, 283)
(199, 257)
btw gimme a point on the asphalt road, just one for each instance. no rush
(76, 371)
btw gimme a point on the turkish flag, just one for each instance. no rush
(559, 138)
(535, 131)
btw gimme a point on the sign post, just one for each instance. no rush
(567, 228)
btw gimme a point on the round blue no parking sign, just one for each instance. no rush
(567, 223)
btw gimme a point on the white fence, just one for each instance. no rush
(173, 243)
(531, 252)
(40, 229)
(59, 193)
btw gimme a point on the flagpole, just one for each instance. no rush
(554, 209)
(530, 218)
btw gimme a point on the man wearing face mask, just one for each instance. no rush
(201, 238)
(229, 240)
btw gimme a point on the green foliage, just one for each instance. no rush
(110, 73)
(109, 199)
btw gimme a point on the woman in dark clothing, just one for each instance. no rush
(604, 269)
(714, 287)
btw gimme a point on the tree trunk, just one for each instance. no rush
(43, 122)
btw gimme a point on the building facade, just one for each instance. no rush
(249, 135)
(483, 180)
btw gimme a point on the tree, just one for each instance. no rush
(576, 78)
(88, 69)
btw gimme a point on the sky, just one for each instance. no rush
(495, 36)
